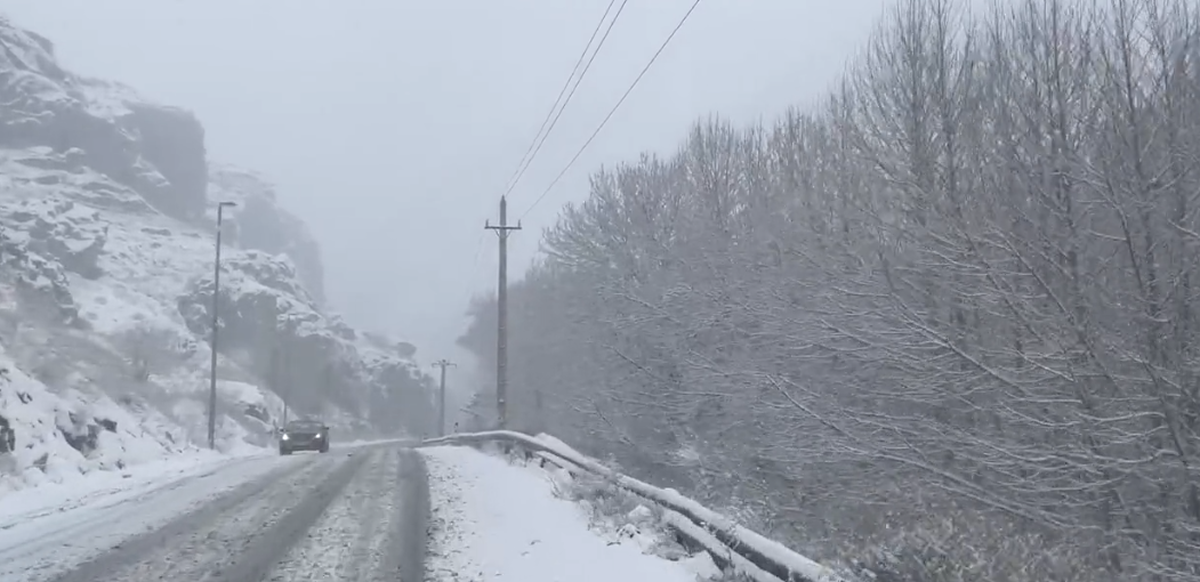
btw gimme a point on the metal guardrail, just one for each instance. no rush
(729, 544)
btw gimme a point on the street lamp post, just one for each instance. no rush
(212, 373)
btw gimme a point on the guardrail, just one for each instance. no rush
(728, 543)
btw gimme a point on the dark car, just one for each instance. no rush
(304, 435)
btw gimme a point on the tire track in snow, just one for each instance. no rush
(230, 535)
(412, 530)
(41, 548)
(344, 544)
(374, 533)
(264, 551)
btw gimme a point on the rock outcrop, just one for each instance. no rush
(266, 315)
(155, 150)
(106, 247)
(259, 222)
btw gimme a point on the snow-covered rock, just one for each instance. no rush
(259, 222)
(107, 223)
(156, 150)
(266, 314)
(64, 435)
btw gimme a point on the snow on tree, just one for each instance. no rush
(949, 313)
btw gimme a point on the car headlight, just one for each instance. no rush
(318, 435)
(285, 436)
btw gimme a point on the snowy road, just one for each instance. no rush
(352, 514)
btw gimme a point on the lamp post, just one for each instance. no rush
(212, 374)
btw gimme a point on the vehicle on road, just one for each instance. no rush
(304, 435)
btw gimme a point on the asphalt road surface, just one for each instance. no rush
(355, 514)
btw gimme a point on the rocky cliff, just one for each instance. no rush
(107, 223)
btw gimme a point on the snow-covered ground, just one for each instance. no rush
(750, 553)
(112, 486)
(351, 514)
(255, 516)
(107, 487)
(115, 441)
(493, 521)
(38, 544)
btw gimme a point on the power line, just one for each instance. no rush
(512, 180)
(614, 109)
(578, 80)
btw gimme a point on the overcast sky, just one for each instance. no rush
(392, 126)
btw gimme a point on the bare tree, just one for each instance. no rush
(950, 313)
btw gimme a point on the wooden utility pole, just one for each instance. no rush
(443, 364)
(502, 231)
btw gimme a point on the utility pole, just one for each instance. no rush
(502, 231)
(216, 302)
(443, 364)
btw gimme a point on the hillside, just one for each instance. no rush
(107, 223)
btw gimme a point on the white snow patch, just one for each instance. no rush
(368, 442)
(701, 566)
(43, 458)
(36, 547)
(772, 549)
(111, 486)
(493, 521)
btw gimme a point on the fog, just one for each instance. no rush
(392, 127)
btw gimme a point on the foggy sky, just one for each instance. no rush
(392, 126)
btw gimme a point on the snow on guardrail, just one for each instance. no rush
(751, 553)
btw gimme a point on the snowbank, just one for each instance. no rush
(494, 521)
(60, 438)
(112, 486)
(769, 561)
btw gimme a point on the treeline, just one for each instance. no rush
(946, 321)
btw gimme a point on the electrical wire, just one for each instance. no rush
(613, 110)
(558, 100)
(525, 163)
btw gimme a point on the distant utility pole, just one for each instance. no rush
(502, 231)
(443, 364)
